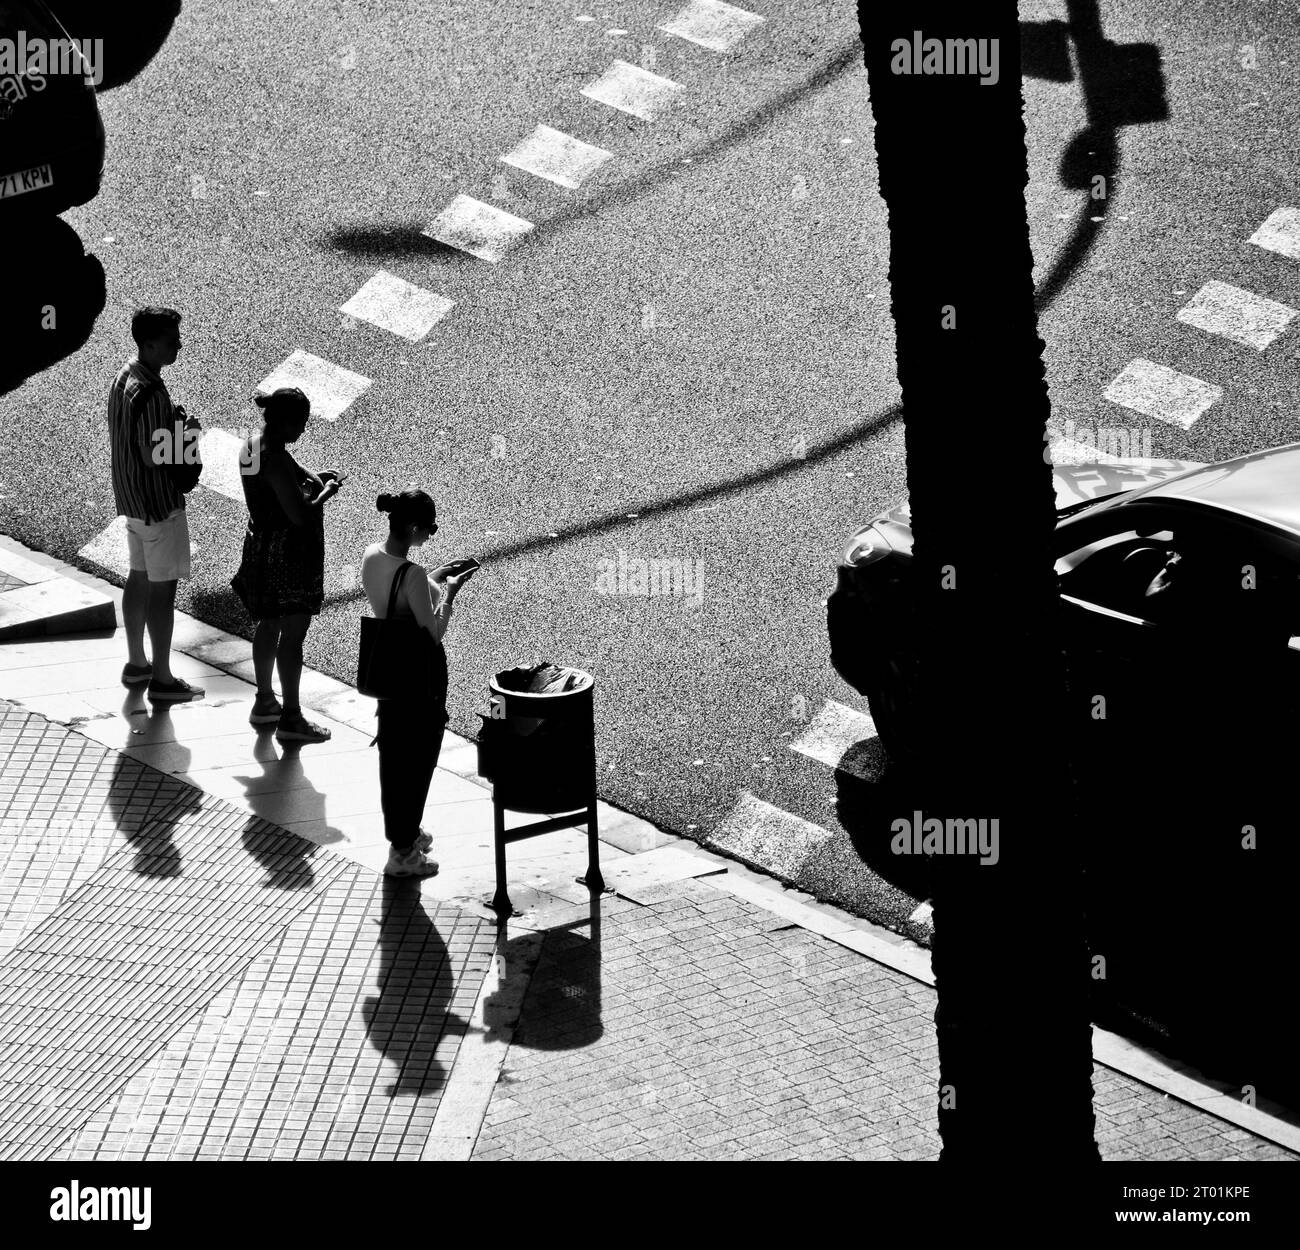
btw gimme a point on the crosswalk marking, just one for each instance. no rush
(631, 89)
(551, 154)
(219, 450)
(712, 24)
(331, 388)
(480, 229)
(1163, 393)
(1235, 314)
(401, 307)
(767, 836)
(835, 737)
(108, 548)
(1280, 233)
(1071, 451)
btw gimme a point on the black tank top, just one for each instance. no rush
(264, 510)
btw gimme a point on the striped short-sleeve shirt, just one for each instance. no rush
(138, 404)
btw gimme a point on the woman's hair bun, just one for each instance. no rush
(261, 400)
(386, 503)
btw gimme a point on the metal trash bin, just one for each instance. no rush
(538, 749)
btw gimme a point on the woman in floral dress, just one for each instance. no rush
(281, 578)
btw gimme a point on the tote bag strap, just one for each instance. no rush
(392, 594)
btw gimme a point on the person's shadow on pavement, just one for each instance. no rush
(145, 812)
(273, 851)
(412, 1011)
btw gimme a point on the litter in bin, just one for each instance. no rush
(544, 678)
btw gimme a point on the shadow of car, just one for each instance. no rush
(1180, 627)
(51, 133)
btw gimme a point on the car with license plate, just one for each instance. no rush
(51, 132)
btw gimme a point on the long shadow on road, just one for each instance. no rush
(1190, 936)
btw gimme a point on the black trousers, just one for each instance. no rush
(410, 738)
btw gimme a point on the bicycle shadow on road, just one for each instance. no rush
(54, 293)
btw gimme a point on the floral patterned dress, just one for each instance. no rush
(282, 572)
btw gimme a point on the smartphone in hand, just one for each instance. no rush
(460, 568)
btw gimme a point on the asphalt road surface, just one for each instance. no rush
(689, 358)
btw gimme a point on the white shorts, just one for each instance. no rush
(162, 550)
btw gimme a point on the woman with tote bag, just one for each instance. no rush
(413, 694)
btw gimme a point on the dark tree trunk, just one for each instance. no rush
(1009, 955)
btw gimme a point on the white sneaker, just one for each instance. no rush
(412, 863)
(424, 842)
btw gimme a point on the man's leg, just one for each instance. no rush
(135, 608)
(161, 617)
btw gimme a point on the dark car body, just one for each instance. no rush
(51, 133)
(1150, 557)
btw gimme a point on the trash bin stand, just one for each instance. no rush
(501, 835)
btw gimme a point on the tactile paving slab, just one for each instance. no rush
(156, 934)
(335, 1043)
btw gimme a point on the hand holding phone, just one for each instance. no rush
(457, 572)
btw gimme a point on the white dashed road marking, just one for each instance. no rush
(1071, 451)
(330, 387)
(108, 548)
(477, 228)
(767, 836)
(557, 157)
(1239, 315)
(220, 452)
(1163, 393)
(712, 24)
(393, 304)
(631, 89)
(1280, 233)
(835, 730)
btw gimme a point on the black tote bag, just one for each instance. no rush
(397, 657)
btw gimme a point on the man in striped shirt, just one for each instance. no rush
(158, 538)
